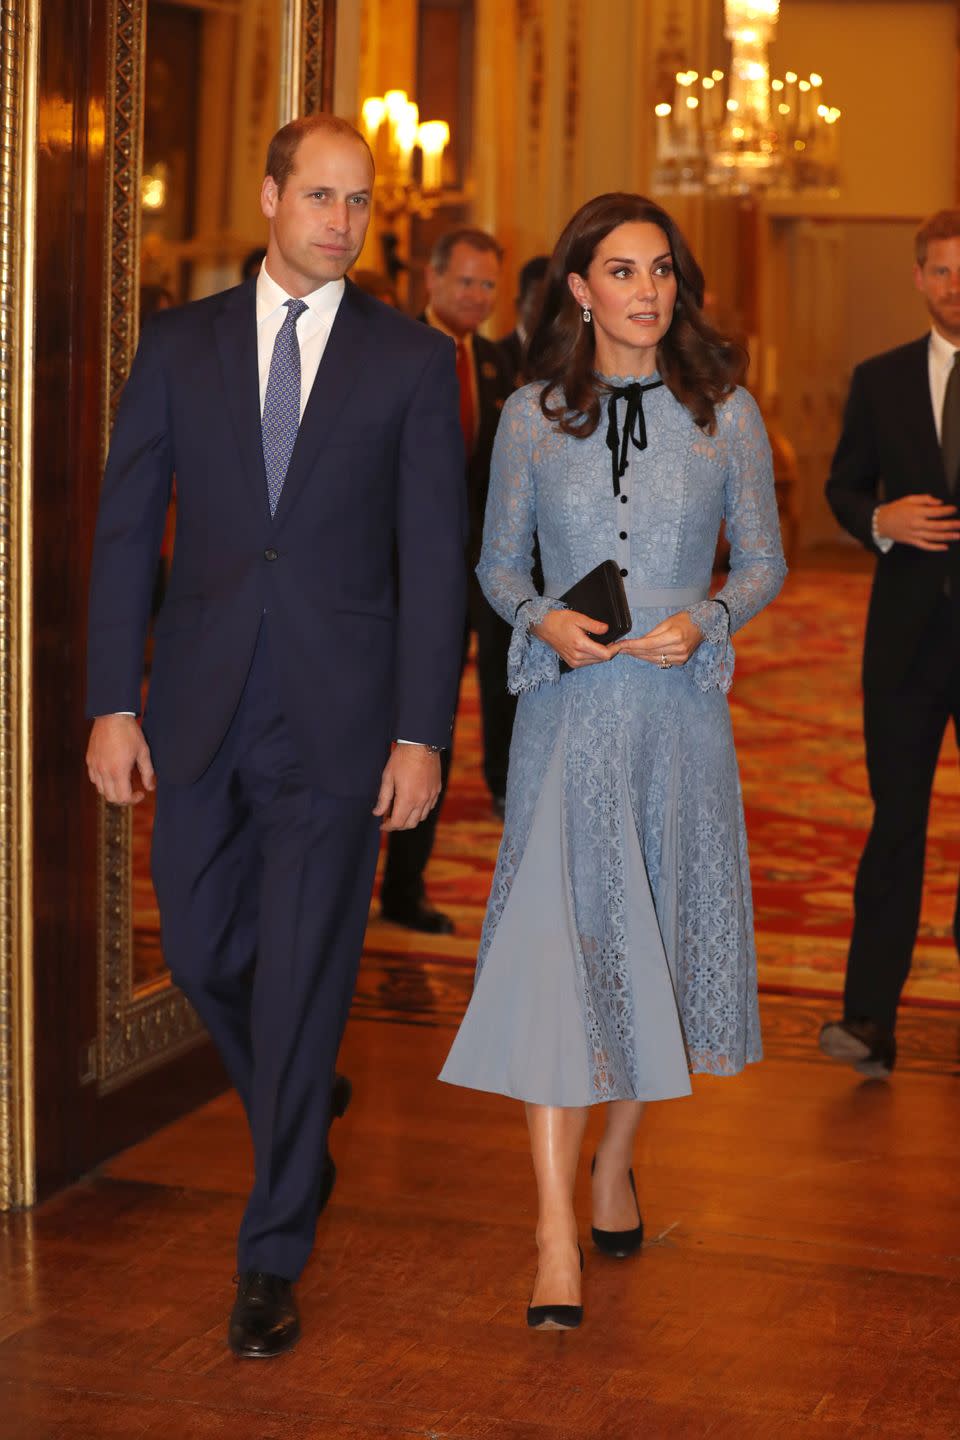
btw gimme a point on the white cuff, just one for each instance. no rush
(883, 542)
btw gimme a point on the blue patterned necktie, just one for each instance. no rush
(281, 405)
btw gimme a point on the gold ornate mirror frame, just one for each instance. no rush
(19, 20)
(138, 1031)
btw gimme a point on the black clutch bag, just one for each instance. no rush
(601, 595)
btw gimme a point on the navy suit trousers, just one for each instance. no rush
(264, 885)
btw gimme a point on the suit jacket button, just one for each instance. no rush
(271, 555)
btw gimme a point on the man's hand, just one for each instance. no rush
(674, 639)
(920, 520)
(116, 751)
(568, 632)
(410, 787)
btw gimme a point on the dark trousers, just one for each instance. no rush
(497, 705)
(903, 731)
(264, 884)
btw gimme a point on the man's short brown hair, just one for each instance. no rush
(466, 235)
(945, 225)
(282, 152)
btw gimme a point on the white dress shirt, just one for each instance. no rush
(940, 355)
(313, 328)
(940, 363)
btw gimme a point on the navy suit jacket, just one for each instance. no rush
(361, 572)
(888, 448)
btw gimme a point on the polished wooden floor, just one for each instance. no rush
(802, 1276)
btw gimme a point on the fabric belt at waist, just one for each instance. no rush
(647, 597)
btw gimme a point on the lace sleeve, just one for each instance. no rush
(506, 560)
(757, 566)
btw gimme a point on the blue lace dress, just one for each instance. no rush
(617, 952)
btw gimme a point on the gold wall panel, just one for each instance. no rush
(18, 123)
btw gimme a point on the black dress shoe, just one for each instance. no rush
(555, 1317)
(340, 1096)
(418, 917)
(619, 1243)
(867, 1046)
(264, 1321)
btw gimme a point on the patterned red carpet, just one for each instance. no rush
(796, 711)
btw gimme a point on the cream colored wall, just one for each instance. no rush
(837, 282)
(891, 68)
(563, 96)
(562, 113)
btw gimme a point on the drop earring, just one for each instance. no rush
(587, 315)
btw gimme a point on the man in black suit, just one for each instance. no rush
(314, 615)
(893, 484)
(529, 294)
(462, 283)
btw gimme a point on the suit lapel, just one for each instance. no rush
(336, 377)
(235, 327)
(913, 403)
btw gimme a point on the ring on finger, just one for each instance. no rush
(665, 664)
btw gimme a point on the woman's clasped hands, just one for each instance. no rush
(569, 633)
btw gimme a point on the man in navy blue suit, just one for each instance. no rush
(305, 662)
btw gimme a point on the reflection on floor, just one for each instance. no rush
(801, 1273)
(799, 1282)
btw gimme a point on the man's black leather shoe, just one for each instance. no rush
(864, 1044)
(264, 1321)
(419, 917)
(340, 1096)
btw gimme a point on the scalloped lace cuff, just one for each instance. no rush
(532, 662)
(714, 660)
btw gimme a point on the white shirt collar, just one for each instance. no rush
(322, 302)
(941, 348)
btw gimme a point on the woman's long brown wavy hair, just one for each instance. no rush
(695, 361)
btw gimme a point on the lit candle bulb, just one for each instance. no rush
(407, 128)
(395, 104)
(433, 136)
(372, 116)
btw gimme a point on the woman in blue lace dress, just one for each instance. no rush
(617, 953)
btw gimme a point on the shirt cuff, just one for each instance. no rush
(883, 542)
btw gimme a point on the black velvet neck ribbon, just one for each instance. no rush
(634, 426)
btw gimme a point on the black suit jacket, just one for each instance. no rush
(511, 352)
(360, 573)
(494, 387)
(888, 449)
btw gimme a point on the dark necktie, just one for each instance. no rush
(950, 426)
(634, 426)
(281, 405)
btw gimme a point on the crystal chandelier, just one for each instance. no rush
(742, 130)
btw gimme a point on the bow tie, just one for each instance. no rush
(634, 426)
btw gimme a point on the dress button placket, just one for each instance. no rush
(623, 524)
